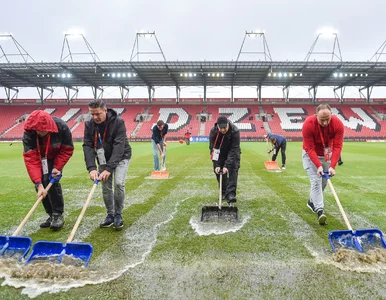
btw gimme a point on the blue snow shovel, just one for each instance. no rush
(56, 251)
(360, 239)
(20, 245)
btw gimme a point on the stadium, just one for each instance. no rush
(276, 250)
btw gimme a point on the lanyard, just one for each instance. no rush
(47, 146)
(218, 132)
(98, 136)
(321, 137)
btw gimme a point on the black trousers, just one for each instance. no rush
(282, 148)
(53, 202)
(229, 180)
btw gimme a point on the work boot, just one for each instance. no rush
(47, 223)
(231, 198)
(57, 221)
(108, 222)
(118, 222)
(321, 217)
(311, 206)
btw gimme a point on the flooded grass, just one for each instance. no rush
(276, 249)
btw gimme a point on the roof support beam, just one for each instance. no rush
(373, 83)
(41, 93)
(8, 93)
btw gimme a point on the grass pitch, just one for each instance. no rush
(276, 251)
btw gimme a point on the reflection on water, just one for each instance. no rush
(218, 225)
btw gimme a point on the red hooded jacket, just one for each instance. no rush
(59, 150)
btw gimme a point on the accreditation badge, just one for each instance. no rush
(215, 154)
(44, 165)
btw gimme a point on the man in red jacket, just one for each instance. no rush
(48, 147)
(322, 145)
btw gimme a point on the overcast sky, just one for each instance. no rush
(195, 29)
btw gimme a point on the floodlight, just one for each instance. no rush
(327, 32)
(5, 36)
(74, 32)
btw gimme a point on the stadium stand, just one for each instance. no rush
(362, 121)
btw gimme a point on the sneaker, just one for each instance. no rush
(163, 167)
(118, 222)
(283, 167)
(231, 198)
(57, 221)
(47, 223)
(311, 206)
(340, 163)
(321, 217)
(108, 222)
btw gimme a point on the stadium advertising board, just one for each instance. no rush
(200, 139)
(81, 100)
(273, 100)
(327, 100)
(191, 100)
(304, 100)
(18, 101)
(354, 100)
(246, 100)
(136, 100)
(164, 100)
(379, 100)
(222, 100)
(55, 100)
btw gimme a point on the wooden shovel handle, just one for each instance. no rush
(82, 213)
(31, 211)
(339, 205)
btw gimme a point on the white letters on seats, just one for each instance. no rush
(166, 114)
(291, 118)
(237, 114)
(356, 124)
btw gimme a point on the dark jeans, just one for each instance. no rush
(282, 147)
(229, 180)
(53, 202)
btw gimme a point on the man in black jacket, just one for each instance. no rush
(105, 141)
(224, 146)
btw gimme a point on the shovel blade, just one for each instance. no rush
(272, 166)
(43, 251)
(15, 246)
(344, 239)
(370, 238)
(214, 212)
(79, 251)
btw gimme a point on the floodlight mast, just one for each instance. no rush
(253, 34)
(21, 52)
(377, 55)
(135, 53)
(70, 54)
(149, 34)
(10, 91)
(256, 34)
(334, 54)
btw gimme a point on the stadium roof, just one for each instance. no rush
(193, 73)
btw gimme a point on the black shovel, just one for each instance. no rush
(223, 212)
